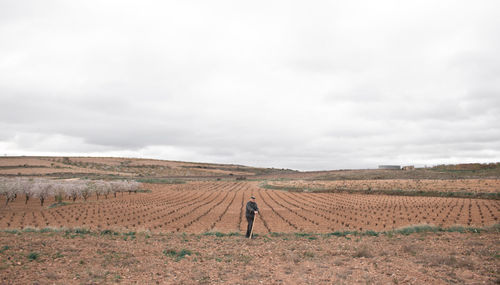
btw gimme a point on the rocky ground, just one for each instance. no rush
(81, 257)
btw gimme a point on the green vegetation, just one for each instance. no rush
(160, 181)
(219, 234)
(433, 229)
(4, 248)
(58, 255)
(109, 232)
(33, 256)
(312, 236)
(59, 204)
(81, 231)
(177, 255)
(342, 233)
(48, 230)
(29, 230)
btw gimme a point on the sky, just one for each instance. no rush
(306, 85)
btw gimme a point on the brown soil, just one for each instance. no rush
(427, 258)
(199, 207)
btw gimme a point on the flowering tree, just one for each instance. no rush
(8, 189)
(117, 186)
(131, 186)
(74, 189)
(101, 188)
(42, 189)
(87, 190)
(25, 188)
(59, 190)
(105, 188)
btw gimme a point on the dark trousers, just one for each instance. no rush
(250, 225)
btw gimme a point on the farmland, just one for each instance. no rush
(200, 206)
(383, 230)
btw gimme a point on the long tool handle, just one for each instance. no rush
(253, 224)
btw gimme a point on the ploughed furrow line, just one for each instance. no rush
(321, 219)
(161, 190)
(168, 198)
(386, 212)
(93, 215)
(337, 216)
(243, 186)
(157, 213)
(223, 222)
(185, 198)
(203, 222)
(277, 223)
(158, 216)
(280, 212)
(330, 210)
(342, 211)
(184, 210)
(271, 220)
(242, 212)
(306, 224)
(194, 213)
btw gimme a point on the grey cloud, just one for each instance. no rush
(285, 84)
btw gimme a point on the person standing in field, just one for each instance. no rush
(251, 211)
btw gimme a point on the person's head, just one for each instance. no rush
(252, 199)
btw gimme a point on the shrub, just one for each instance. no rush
(371, 233)
(82, 231)
(363, 252)
(33, 256)
(177, 255)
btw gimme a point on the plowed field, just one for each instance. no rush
(435, 185)
(219, 206)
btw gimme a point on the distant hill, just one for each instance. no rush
(468, 167)
(113, 167)
(137, 168)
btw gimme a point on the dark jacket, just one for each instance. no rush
(251, 208)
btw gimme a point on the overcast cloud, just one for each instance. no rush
(307, 85)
